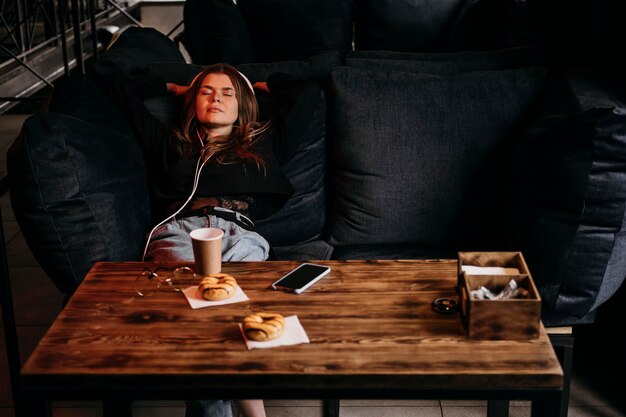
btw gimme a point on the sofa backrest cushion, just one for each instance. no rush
(134, 49)
(572, 199)
(410, 25)
(303, 160)
(81, 97)
(215, 32)
(444, 63)
(79, 194)
(316, 68)
(412, 152)
(282, 30)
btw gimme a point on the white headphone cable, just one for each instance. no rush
(199, 167)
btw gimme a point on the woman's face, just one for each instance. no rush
(217, 106)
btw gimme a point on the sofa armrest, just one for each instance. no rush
(572, 199)
(78, 185)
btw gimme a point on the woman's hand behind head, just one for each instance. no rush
(177, 90)
(261, 85)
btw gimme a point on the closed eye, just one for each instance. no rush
(226, 92)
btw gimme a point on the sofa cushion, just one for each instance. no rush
(302, 157)
(572, 199)
(393, 251)
(81, 97)
(307, 251)
(410, 25)
(79, 194)
(282, 30)
(165, 108)
(316, 68)
(444, 63)
(412, 152)
(175, 72)
(215, 32)
(134, 49)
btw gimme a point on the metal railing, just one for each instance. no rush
(41, 40)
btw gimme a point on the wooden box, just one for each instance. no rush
(507, 319)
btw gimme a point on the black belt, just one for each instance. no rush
(222, 213)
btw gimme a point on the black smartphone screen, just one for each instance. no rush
(302, 277)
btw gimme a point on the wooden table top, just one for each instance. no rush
(370, 325)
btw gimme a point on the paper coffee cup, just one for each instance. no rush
(207, 250)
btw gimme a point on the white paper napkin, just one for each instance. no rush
(489, 270)
(196, 301)
(294, 335)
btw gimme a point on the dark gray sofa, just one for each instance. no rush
(439, 132)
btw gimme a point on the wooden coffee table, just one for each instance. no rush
(372, 334)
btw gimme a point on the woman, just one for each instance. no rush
(218, 156)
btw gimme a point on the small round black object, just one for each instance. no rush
(446, 305)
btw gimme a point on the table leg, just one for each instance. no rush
(564, 348)
(498, 408)
(549, 406)
(331, 408)
(33, 407)
(117, 408)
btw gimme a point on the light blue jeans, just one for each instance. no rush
(171, 243)
(208, 408)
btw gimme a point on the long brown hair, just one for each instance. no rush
(246, 131)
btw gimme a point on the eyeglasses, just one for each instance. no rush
(149, 281)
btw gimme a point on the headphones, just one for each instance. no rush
(240, 73)
(247, 82)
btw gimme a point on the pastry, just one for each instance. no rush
(263, 326)
(217, 287)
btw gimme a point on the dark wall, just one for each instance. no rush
(582, 32)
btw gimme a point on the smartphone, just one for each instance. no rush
(301, 278)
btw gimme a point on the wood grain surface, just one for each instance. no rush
(370, 324)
